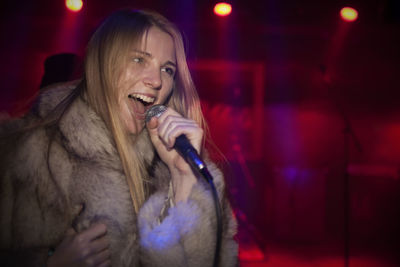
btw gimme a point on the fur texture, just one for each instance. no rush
(40, 199)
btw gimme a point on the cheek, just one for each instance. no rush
(121, 84)
(168, 89)
(124, 82)
(165, 95)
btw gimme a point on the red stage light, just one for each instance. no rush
(348, 14)
(74, 5)
(222, 9)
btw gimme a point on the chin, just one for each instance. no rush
(135, 129)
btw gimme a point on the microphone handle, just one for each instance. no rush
(188, 152)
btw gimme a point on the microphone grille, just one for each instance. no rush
(155, 110)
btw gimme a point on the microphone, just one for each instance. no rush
(182, 144)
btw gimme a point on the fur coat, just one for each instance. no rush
(41, 198)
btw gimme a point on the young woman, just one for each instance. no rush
(84, 177)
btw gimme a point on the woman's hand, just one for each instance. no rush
(88, 248)
(163, 132)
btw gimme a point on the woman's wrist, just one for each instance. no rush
(182, 183)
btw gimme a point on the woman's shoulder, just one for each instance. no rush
(24, 140)
(24, 132)
(52, 95)
(22, 151)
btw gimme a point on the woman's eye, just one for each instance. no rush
(138, 59)
(170, 71)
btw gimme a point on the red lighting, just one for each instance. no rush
(222, 9)
(74, 5)
(348, 14)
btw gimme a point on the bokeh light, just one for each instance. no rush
(222, 9)
(348, 14)
(74, 5)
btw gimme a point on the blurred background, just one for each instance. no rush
(304, 105)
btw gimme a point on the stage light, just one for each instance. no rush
(348, 14)
(74, 5)
(222, 9)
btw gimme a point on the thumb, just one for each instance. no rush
(152, 126)
(70, 232)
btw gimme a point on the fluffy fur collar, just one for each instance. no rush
(85, 133)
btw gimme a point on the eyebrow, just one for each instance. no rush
(143, 53)
(170, 63)
(147, 54)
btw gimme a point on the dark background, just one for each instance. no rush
(294, 97)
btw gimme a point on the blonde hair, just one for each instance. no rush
(106, 51)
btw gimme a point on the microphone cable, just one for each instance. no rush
(208, 177)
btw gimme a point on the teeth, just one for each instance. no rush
(144, 98)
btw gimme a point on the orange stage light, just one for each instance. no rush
(222, 9)
(74, 5)
(348, 14)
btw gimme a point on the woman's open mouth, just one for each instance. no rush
(140, 103)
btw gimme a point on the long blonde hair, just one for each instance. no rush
(105, 55)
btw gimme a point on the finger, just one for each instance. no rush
(172, 119)
(152, 124)
(99, 245)
(107, 263)
(70, 232)
(193, 133)
(94, 231)
(81, 208)
(172, 127)
(190, 130)
(101, 257)
(165, 117)
(77, 211)
(169, 123)
(152, 127)
(156, 120)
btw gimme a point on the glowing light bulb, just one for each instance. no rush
(348, 14)
(74, 5)
(222, 9)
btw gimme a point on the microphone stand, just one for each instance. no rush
(348, 136)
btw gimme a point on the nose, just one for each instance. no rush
(152, 78)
